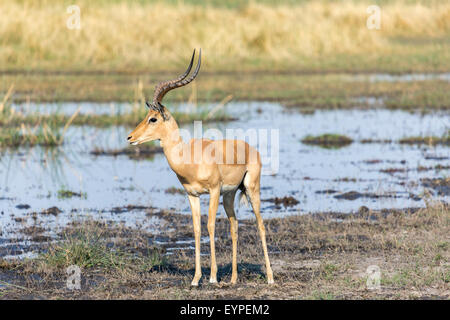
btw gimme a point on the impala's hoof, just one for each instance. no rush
(211, 280)
(270, 281)
(194, 283)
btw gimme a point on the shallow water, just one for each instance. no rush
(33, 176)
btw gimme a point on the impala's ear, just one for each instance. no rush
(148, 105)
(162, 110)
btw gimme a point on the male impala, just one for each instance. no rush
(206, 166)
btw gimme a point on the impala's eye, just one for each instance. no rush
(152, 120)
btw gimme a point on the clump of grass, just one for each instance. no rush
(328, 270)
(331, 141)
(67, 194)
(87, 248)
(321, 295)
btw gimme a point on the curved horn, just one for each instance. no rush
(161, 85)
(165, 87)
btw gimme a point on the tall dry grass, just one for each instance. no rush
(133, 35)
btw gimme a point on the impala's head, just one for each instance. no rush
(153, 127)
(158, 122)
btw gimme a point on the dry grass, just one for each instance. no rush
(126, 35)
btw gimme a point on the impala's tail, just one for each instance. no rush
(243, 196)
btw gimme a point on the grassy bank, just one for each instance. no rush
(136, 36)
(304, 91)
(321, 256)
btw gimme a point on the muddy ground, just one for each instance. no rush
(321, 256)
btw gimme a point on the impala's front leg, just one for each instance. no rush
(213, 204)
(196, 219)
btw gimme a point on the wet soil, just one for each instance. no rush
(320, 256)
(440, 185)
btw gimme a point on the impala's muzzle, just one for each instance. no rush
(131, 141)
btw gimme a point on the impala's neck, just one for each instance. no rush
(172, 144)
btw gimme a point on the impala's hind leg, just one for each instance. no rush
(252, 189)
(228, 204)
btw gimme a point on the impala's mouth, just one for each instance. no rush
(133, 142)
(140, 141)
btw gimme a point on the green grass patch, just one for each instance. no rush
(321, 295)
(88, 248)
(67, 194)
(329, 141)
(143, 151)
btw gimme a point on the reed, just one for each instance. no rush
(17, 130)
(27, 136)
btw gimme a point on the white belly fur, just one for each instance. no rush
(196, 190)
(227, 188)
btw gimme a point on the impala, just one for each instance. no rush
(217, 167)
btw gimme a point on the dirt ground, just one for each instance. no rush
(323, 256)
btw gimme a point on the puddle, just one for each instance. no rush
(376, 175)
